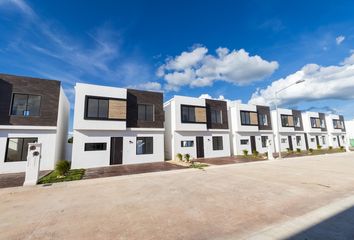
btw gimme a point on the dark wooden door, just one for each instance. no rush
(338, 141)
(253, 144)
(116, 150)
(306, 141)
(317, 141)
(200, 147)
(290, 143)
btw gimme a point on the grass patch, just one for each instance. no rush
(199, 165)
(53, 177)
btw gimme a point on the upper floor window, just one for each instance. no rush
(315, 122)
(297, 122)
(100, 108)
(263, 119)
(337, 124)
(193, 114)
(17, 149)
(323, 124)
(249, 118)
(216, 116)
(287, 120)
(25, 105)
(146, 112)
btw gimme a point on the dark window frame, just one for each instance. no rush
(298, 141)
(218, 143)
(340, 122)
(192, 145)
(27, 94)
(259, 119)
(104, 148)
(145, 115)
(215, 112)
(87, 97)
(287, 116)
(191, 106)
(266, 139)
(311, 118)
(249, 112)
(7, 147)
(244, 141)
(144, 152)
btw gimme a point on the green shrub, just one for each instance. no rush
(255, 153)
(187, 157)
(330, 148)
(319, 147)
(311, 150)
(62, 167)
(179, 156)
(298, 150)
(341, 148)
(245, 152)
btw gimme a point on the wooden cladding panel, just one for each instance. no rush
(291, 120)
(117, 109)
(318, 122)
(254, 118)
(200, 115)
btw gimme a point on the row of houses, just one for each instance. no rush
(126, 126)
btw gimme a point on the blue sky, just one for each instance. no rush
(238, 49)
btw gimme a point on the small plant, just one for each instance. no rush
(319, 147)
(179, 157)
(330, 148)
(266, 154)
(341, 148)
(62, 167)
(255, 153)
(298, 150)
(245, 152)
(311, 150)
(200, 166)
(187, 157)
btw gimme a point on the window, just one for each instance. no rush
(146, 112)
(298, 140)
(284, 140)
(144, 145)
(263, 119)
(323, 124)
(217, 143)
(17, 149)
(297, 122)
(249, 118)
(188, 114)
(315, 122)
(312, 139)
(216, 116)
(25, 105)
(287, 120)
(264, 141)
(187, 143)
(337, 124)
(193, 114)
(244, 141)
(323, 140)
(95, 146)
(99, 108)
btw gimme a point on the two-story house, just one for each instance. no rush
(291, 130)
(251, 128)
(31, 110)
(116, 126)
(195, 126)
(315, 128)
(336, 131)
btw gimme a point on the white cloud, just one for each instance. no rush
(349, 60)
(150, 86)
(207, 96)
(19, 5)
(331, 82)
(340, 39)
(196, 68)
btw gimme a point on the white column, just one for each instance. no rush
(33, 163)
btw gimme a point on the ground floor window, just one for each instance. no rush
(17, 149)
(284, 140)
(244, 141)
(144, 145)
(312, 139)
(264, 141)
(187, 143)
(95, 146)
(323, 140)
(217, 143)
(298, 140)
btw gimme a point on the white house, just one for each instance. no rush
(195, 126)
(336, 131)
(31, 110)
(251, 128)
(315, 127)
(116, 126)
(349, 126)
(291, 130)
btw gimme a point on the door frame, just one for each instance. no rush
(116, 141)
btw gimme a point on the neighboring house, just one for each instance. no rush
(195, 126)
(31, 110)
(336, 131)
(116, 126)
(291, 130)
(349, 125)
(315, 127)
(251, 128)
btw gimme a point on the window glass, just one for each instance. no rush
(263, 119)
(187, 143)
(298, 140)
(216, 116)
(217, 143)
(95, 146)
(33, 105)
(191, 114)
(264, 141)
(146, 112)
(92, 108)
(297, 121)
(284, 140)
(149, 112)
(25, 105)
(323, 139)
(103, 108)
(244, 141)
(144, 145)
(188, 113)
(245, 118)
(17, 149)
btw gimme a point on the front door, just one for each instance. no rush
(116, 150)
(290, 143)
(338, 141)
(317, 141)
(253, 144)
(306, 141)
(200, 147)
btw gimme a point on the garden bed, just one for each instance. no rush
(54, 177)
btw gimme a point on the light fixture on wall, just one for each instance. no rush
(130, 141)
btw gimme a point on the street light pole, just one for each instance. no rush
(277, 113)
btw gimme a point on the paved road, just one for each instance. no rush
(250, 200)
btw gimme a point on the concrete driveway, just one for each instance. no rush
(241, 201)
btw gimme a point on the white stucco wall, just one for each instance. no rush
(238, 136)
(313, 144)
(46, 137)
(62, 127)
(168, 131)
(89, 159)
(285, 145)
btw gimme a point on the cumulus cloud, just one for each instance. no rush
(197, 68)
(150, 86)
(340, 39)
(207, 96)
(349, 60)
(321, 82)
